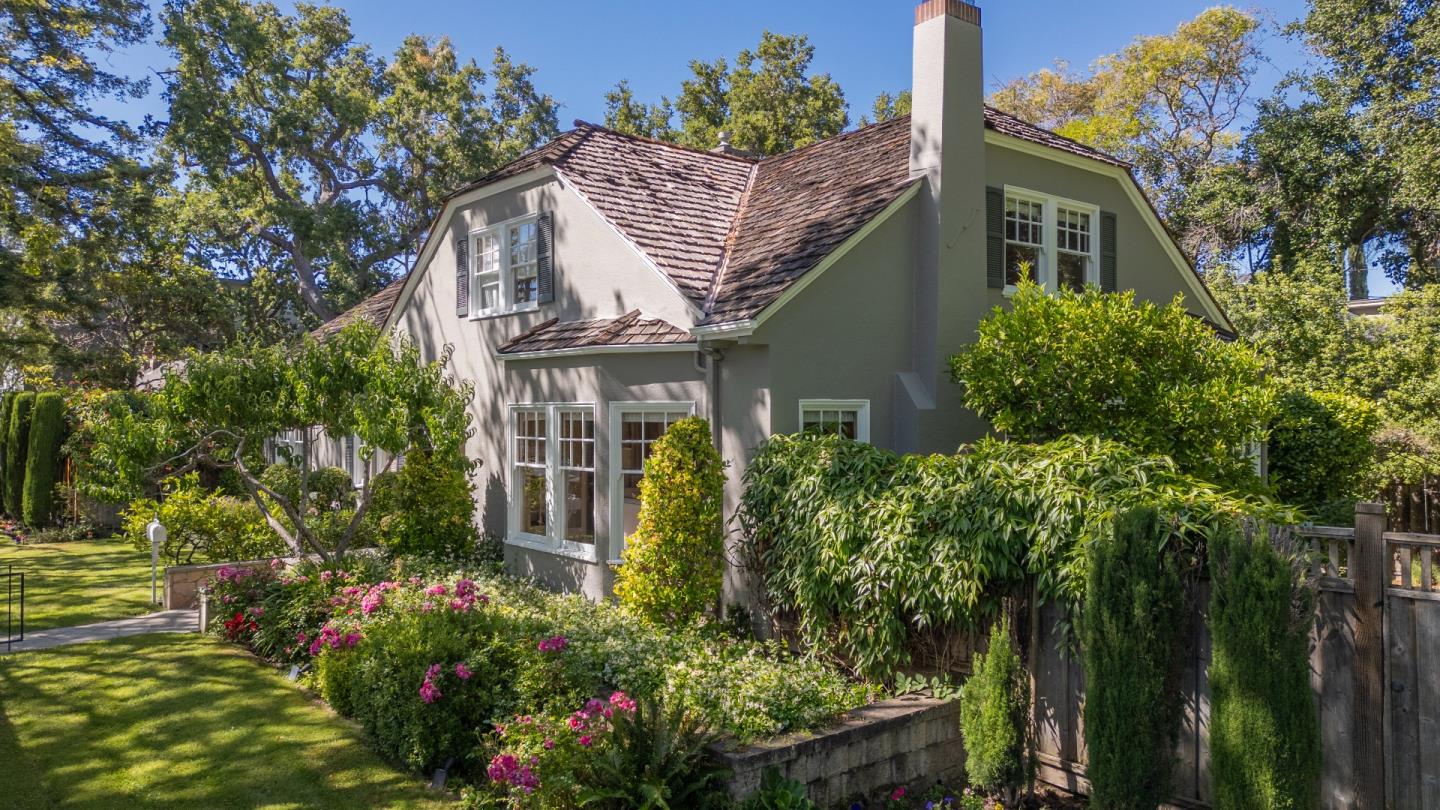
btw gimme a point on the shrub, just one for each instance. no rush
(330, 507)
(424, 508)
(1264, 728)
(1101, 364)
(658, 757)
(674, 562)
(42, 459)
(217, 528)
(6, 399)
(1131, 647)
(1321, 452)
(778, 793)
(994, 713)
(17, 447)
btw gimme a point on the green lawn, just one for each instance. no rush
(179, 721)
(78, 583)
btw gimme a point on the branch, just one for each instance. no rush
(361, 507)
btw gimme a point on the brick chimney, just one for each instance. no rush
(947, 152)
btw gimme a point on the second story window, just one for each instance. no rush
(505, 268)
(1024, 239)
(1049, 240)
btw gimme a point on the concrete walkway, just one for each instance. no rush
(166, 621)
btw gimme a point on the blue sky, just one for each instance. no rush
(580, 49)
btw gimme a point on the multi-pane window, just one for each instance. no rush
(1072, 244)
(531, 461)
(577, 475)
(505, 268)
(350, 458)
(1024, 239)
(553, 495)
(288, 447)
(849, 418)
(638, 431)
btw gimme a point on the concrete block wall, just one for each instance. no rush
(910, 741)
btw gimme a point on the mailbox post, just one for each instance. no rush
(157, 534)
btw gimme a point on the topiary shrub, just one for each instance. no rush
(17, 447)
(1131, 645)
(1264, 729)
(1321, 452)
(673, 564)
(6, 399)
(994, 713)
(42, 459)
(424, 508)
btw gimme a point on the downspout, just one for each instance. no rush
(711, 368)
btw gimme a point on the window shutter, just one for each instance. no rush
(462, 276)
(1107, 252)
(995, 237)
(350, 455)
(544, 265)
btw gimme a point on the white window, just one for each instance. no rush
(847, 417)
(287, 447)
(350, 458)
(505, 268)
(1049, 240)
(634, 427)
(553, 476)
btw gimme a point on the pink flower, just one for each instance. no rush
(585, 740)
(326, 576)
(435, 590)
(897, 794)
(552, 644)
(549, 744)
(459, 604)
(463, 672)
(464, 588)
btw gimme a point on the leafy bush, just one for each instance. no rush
(1131, 647)
(424, 508)
(674, 562)
(329, 508)
(1101, 364)
(1321, 452)
(42, 459)
(17, 447)
(871, 551)
(994, 713)
(658, 757)
(778, 793)
(6, 400)
(216, 528)
(1264, 729)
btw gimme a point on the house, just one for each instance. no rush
(603, 286)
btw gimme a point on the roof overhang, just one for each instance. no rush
(579, 351)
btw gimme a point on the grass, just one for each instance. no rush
(77, 583)
(179, 721)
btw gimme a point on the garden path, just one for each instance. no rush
(165, 621)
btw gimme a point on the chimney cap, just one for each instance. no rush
(725, 148)
(930, 9)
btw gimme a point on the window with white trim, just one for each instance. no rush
(1051, 241)
(634, 428)
(553, 475)
(287, 447)
(353, 463)
(846, 417)
(505, 267)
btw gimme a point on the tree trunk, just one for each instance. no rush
(1357, 272)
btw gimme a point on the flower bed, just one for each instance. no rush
(519, 690)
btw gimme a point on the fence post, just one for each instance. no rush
(1369, 571)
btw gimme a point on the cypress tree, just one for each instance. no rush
(5, 400)
(17, 445)
(42, 460)
(1131, 645)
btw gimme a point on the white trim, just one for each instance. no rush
(642, 348)
(447, 211)
(860, 406)
(552, 541)
(614, 485)
(1137, 200)
(745, 327)
(1049, 272)
(504, 272)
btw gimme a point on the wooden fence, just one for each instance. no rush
(1375, 668)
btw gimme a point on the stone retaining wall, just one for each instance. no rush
(910, 741)
(183, 581)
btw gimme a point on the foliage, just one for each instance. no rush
(1101, 364)
(778, 793)
(224, 406)
(994, 714)
(42, 459)
(219, 528)
(7, 398)
(887, 106)
(658, 757)
(328, 504)
(1131, 648)
(768, 103)
(17, 448)
(315, 157)
(1264, 728)
(869, 550)
(673, 563)
(425, 508)
(1321, 452)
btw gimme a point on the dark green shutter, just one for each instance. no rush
(544, 265)
(462, 276)
(1107, 252)
(995, 237)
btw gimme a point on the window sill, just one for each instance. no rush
(534, 543)
(487, 316)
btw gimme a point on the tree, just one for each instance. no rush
(225, 404)
(994, 714)
(17, 447)
(1101, 364)
(887, 107)
(319, 160)
(768, 103)
(42, 459)
(1320, 452)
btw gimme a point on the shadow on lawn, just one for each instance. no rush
(181, 722)
(77, 583)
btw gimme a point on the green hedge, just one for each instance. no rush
(42, 461)
(1321, 452)
(994, 713)
(5, 402)
(17, 447)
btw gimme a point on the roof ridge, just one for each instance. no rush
(838, 137)
(583, 124)
(616, 325)
(726, 249)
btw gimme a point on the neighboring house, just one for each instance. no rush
(1366, 307)
(603, 286)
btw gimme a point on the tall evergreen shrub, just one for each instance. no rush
(42, 460)
(17, 446)
(994, 713)
(1264, 729)
(1131, 646)
(5, 402)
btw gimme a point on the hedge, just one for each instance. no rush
(42, 462)
(17, 446)
(5, 401)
